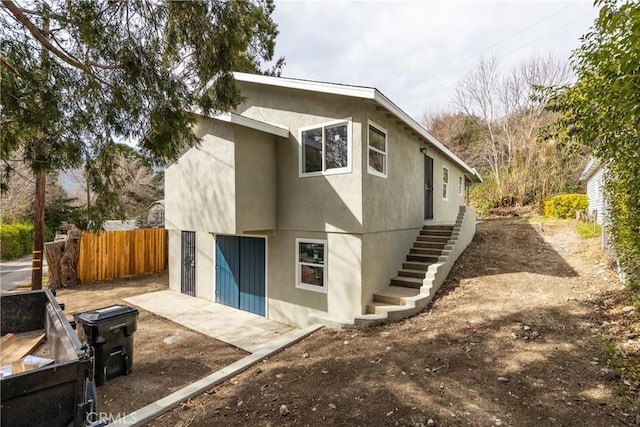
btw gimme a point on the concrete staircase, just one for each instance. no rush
(426, 251)
(425, 268)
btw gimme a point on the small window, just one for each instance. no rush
(377, 152)
(311, 265)
(325, 149)
(460, 185)
(445, 183)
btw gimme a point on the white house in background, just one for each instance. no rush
(316, 202)
(594, 175)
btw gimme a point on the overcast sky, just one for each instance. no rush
(415, 52)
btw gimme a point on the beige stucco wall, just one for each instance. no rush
(204, 263)
(383, 254)
(445, 211)
(255, 180)
(175, 259)
(397, 201)
(226, 185)
(291, 305)
(200, 188)
(331, 202)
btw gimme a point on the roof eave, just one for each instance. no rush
(592, 167)
(308, 85)
(250, 123)
(383, 101)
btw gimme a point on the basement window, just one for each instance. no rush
(311, 265)
(326, 149)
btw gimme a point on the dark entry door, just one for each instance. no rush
(428, 187)
(188, 283)
(240, 273)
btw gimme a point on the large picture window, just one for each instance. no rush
(445, 183)
(377, 150)
(326, 149)
(311, 265)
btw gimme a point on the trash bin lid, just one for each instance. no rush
(106, 313)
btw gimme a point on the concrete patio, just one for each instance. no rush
(244, 330)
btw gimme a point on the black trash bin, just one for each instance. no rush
(110, 331)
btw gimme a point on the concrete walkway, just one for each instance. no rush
(244, 330)
(255, 334)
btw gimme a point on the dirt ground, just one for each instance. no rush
(515, 337)
(166, 356)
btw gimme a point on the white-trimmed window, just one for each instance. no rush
(445, 183)
(325, 148)
(311, 265)
(377, 150)
(460, 185)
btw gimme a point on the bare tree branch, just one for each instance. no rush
(7, 64)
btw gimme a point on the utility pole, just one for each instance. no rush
(41, 184)
(38, 232)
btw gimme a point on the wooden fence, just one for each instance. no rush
(112, 254)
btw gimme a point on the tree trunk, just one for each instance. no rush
(69, 260)
(53, 251)
(38, 232)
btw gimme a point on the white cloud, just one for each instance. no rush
(415, 52)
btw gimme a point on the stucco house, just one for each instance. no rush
(593, 174)
(316, 202)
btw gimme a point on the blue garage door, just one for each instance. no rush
(240, 273)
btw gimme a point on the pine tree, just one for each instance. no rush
(78, 77)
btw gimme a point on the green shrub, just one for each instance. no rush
(16, 239)
(588, 230)
(484, 196)
(564, 205)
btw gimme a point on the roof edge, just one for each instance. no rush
(237, 119)
(591, 167)
(393, 108)
(310, 85)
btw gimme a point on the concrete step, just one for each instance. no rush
(407, 272)
(426, 251)
(443, 233)
(422, 258)
(438, 227)
(433, 239)
(422, 266)
(407, 282)
(378, 307)
(429, 245)
(394, 294)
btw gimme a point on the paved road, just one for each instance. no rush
(15, 273)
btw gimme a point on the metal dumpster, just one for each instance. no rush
(58, 394)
